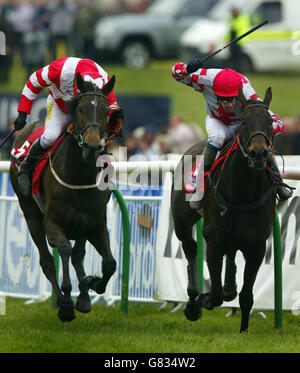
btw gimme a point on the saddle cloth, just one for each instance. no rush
(19, 153)
(190, 185)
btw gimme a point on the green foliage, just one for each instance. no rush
(146, 329)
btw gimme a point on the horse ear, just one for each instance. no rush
(242, 98)
(109, 86)
(268, 96)
(80, 83)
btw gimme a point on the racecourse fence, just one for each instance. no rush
(20, 273)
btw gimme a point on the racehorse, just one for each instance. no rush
(75, 209)
(238, 210)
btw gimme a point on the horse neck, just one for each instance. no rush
(73, 169)
(240, 182)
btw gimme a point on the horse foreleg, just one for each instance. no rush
(253, 262)
(57, 239)
(184, 233)
(100, 240)
(230, 286)
(192, 309)
(214, 259)
(83, 302)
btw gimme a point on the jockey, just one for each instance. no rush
(220, 88)
(60, 78)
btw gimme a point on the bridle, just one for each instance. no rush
(223, 204)
(251, 159)
(79, 135)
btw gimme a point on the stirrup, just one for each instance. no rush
(283, 193)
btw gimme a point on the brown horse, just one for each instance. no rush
(238, 211)
(75, 210)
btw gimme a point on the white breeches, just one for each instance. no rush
(55, 123)
(218, 132)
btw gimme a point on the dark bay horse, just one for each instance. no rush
(238, 211)
(77, 210)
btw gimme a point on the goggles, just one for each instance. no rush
(227, 99)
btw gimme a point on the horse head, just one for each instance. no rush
(256, 130)
(89, 111)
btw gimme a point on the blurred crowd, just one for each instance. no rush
(39, 31)
(147, 143)
(289, 142)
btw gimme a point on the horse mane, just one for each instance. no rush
(72, 104)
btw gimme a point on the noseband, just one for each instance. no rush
(246, 154)
(80, 135)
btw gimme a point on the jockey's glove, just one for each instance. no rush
(193, 65)
(20, 122)
(116, 118)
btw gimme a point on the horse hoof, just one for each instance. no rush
(229, 294)
(66, 311)
(192, 310)
(83, 304)
(66, 315)
(205, 301)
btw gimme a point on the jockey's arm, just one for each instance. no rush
(34, 85)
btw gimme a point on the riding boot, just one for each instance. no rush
(282, 192)
(27, 167)
(209, 156)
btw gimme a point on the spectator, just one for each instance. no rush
(164, 146)
(21, 19)
(6, 60)
(42, 15)
(61, 28)
(239, 23)
(35, 43)
(130, 143)
(86, 19)
(182, 135)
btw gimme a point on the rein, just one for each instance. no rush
(69, 186)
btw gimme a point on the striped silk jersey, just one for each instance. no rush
(59, 77)
(202, 81)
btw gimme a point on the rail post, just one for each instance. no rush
(126, 249)
(56, 265)
(200, 254)
(277, 272)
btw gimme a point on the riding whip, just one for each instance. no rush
(234, 40)
(7, 137)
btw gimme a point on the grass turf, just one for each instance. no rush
(36, 328)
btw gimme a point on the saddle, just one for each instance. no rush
(19, 153)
